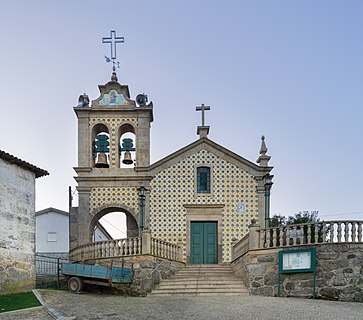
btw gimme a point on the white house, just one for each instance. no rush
(52, 233)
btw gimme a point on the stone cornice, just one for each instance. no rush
(113, 178)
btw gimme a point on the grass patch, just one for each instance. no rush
(17, 301)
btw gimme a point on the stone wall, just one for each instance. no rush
(339, 269)
(148, 271)
(17, 228)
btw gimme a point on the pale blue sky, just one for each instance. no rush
(291, 70)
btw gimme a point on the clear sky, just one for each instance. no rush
(290, 70)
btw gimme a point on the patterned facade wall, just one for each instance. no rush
(127, 196)
(113, 124)
(175, 186)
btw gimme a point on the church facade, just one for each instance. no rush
(202, 196)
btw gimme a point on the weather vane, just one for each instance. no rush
(113, 40)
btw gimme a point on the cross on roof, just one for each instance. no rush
(113, 40)
(202, 108)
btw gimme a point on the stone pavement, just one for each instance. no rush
(90, 306)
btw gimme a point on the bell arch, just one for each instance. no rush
(126, 145)
(100, 138)
(132, 224)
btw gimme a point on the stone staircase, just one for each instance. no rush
(201, 280)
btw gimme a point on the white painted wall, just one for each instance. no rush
(17, 228)
(52, 231)
(98, 235)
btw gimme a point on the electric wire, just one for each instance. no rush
(103, 219)
(341, 214)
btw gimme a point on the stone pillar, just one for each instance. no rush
(261, 201)
(146, 242)
(84, 140)
(80, 224)
(180, 250)
(143, 142)
(254, 235)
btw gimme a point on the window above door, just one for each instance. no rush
(203, 180)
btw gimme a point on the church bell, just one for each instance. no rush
(127, 158)
(102, 161)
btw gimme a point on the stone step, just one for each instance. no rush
(205, 272)
(205, 275)
(198, 286)
(198, 280)
(201, 280)
(194, 281)
(192, 266)
(200, 290)
(200, 294)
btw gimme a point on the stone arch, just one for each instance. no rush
(131, 218)
(126, 127)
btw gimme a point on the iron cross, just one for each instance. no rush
(113, 40)
(202, 108)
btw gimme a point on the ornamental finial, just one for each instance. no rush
(263, 159)
(263, 148)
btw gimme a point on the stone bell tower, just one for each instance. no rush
(113, 156)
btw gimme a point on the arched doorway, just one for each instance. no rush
(116, 221)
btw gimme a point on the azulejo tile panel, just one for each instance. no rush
(113, 124)
(174, 187)
(127, 196)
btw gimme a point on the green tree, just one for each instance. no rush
(308, 217)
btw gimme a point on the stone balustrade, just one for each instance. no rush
(107, 249)
(164, 249)
(127, 247)
(298, 235)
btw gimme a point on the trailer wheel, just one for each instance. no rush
(75, 284)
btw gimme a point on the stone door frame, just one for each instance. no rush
(204, 213)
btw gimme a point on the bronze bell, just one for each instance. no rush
(102, 161)
(127, 158)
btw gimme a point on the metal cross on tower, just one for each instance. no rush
(202, 108)
(113, 40)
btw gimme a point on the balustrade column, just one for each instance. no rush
(316, 233)
(346, 232)
(354, 231)
(274, 237)
(332, 232)
(308, 240)
(340, 232)
(360, 239)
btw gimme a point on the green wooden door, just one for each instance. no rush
(203, 243)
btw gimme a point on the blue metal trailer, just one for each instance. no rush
(79, 273)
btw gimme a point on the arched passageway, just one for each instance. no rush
(115, 223)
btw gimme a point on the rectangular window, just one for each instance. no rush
(52, 236)
(203, 180)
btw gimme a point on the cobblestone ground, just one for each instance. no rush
(27, 314)
(90, 306)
